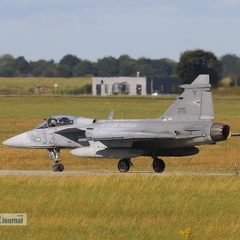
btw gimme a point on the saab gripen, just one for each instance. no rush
(187, 123)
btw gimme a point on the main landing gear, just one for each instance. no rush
(158, 165)
(125, 164)
(54, 154)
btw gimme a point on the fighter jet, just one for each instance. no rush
(187, 123)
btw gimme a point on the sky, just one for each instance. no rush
(93, 29)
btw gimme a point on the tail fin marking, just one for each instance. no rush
(195, 103)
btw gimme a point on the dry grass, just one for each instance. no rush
(124, 206)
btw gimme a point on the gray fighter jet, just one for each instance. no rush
(186, 124)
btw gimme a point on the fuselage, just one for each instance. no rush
(148, 135)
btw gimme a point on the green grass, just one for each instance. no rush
(230, 92)
(124, 206)
(23, 86)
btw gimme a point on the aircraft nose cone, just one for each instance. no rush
(16, 141)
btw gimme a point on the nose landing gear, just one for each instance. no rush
(54, 154)
(58, 167)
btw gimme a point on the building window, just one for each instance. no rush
(128, 89)
(162, 88)
(115, 88)
(106, 88)
(175, 88)
(99, 89)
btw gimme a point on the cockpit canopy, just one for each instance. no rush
(59, 120)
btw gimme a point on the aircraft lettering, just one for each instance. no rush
(44, 138)
(182, 110)
(194, 92)
(51, 139)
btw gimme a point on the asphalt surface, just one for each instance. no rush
(103, 172)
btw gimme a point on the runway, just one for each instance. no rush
(105, 172)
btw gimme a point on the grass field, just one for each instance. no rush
(122, 206)
(25, 86)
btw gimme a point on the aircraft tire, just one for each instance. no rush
(158, 165)
(61, 167)
(55, 167)
(124, 165)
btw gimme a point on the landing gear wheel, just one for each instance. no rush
(124, 165)
(54, 154)
(158, 165)
(55, 167)
(58, 167)
(61, 167)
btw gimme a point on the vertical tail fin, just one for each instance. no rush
(195, 103)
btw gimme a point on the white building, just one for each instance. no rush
(119, 85)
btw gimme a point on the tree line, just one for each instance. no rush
(72, 66)
(191, 64)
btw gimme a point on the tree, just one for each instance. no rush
(6, 58)
(127, 66)
(145, 67)
(83, 68)
(107, 67)
(50, 71)
(125, 58)
(146, 70)
(231, 65)
(128, 69)
(163, 67)
(69, 60)
(64, 71)
(193, 63)
(22, 66)
(7, 66)
(41, 68)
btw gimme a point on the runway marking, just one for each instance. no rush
(104, 172)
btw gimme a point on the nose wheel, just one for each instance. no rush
(54, 154)
(58, 167)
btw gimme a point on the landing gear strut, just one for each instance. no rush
(124, 165)
(158, 165)
(54, 154)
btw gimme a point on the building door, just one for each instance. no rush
(99, 89)
(139, 89)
